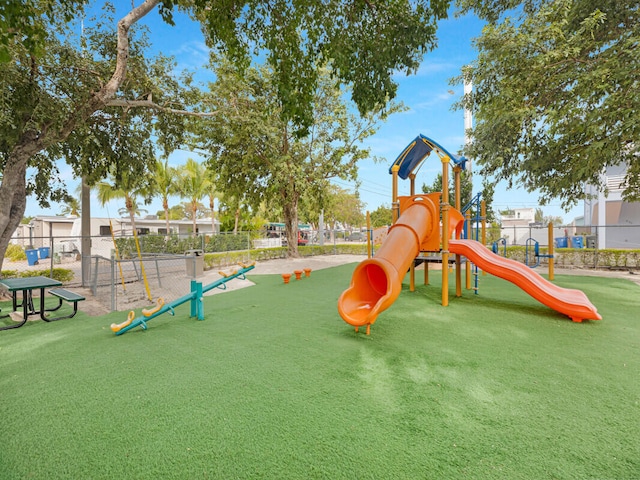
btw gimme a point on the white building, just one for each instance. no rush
(615, 223)
(515, 225)
(65, 232)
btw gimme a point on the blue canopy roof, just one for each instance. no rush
(414, 154)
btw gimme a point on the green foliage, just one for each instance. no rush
(466, 191)
(25, 22)
(156, 244)
(68, 97)
(339, 205)
(363, 44)
(193, 183)
(15, 253)
(381, 216)
(175, 244)
(256, 154)
(555, 94)
(63, 275)
(493, 232)
(177, 212)
(581, 257)
(228, 242)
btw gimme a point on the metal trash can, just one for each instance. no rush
(195, 263)
(591, 241)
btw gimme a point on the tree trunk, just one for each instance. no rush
(165, 206)
(194, 209)
(13, 197)
(213, 215)
(291, 221)
(13, 200)
(132, 214)
(235, 226)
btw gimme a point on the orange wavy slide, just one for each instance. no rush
(570, 302)
(377, 282)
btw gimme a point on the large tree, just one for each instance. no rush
(466, 191)
(258, 155)
(557, 93)
(339, 206)
(194, 184)
(73, 100)
(363, 42)
(164, 185)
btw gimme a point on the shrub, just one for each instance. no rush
(15, 253)
(63, 275)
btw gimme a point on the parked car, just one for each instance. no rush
(303, 238)
(357, 237)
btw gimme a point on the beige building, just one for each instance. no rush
(64, 233)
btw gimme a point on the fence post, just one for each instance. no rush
(94, 281)
(113, 282)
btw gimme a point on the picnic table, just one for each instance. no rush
(26, 285)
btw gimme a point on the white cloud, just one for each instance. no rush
(430, 67)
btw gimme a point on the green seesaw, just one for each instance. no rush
(195, 297)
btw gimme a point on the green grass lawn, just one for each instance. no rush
(273, 384)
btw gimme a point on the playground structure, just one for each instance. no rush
(425, 224)
(532, 253)
(195, 297)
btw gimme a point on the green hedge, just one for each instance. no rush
(61, 274)
(223, 259)
(174, 245)
(581, 257)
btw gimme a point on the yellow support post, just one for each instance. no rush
(456, 181)
(412, 270)
(395, 206)
(412, 277)
(550, 251)
(467, 263)
(483, 213)
(368, 235)
(445, 230)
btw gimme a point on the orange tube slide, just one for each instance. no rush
(377, 282)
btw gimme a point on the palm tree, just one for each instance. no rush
(128, 188)
(165, 186)
(193, 185)
(71, 207)
(213, 193)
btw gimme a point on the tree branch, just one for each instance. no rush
(117, 102)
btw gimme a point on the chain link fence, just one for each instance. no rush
(125, 272)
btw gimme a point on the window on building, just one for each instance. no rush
(105, 230)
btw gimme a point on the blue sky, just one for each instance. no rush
(428, 96)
